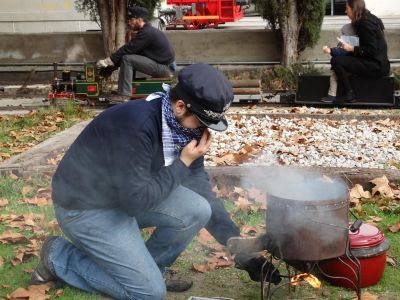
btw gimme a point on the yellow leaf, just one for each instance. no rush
(382, 186)
(358, 192)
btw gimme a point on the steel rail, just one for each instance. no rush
(27, 64)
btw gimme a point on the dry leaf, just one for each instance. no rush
(382, 186)
(201, 268)
(390, 261)
(394, 228)
(358, 192)
(367, 296)
(3, 202)
(10, 237)
(242, 204)
(1, 261)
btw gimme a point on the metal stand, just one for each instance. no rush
(353, 265)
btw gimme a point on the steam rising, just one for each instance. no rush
(307, 212)
(296, 184)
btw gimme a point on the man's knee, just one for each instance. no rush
(201, 211)
(153, 290)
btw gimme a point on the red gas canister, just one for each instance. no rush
(369, 246)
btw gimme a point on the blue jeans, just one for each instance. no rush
(132, 63)
(108, 255)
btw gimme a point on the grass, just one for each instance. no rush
(18, 133)
(227, 282)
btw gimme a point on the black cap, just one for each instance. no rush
(207, 92)
(138, 12)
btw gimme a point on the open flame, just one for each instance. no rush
(311, 279)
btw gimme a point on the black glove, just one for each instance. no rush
(107, 71)
(254, 263)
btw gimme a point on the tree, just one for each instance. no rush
(111, 17)
(297, 23)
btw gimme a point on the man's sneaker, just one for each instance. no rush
(42, 273)
(328, 99)
(174, 283)
(116, 98)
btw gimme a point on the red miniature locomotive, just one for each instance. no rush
(198, 14)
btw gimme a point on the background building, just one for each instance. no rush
(39, 16)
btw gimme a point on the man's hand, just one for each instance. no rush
(326, 50)
(193, 151)
(104, 63)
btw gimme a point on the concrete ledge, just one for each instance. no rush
(190, 46)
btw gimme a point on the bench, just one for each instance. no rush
(368, 91)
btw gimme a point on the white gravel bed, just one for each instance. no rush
(306, 142)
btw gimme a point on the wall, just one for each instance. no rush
(29, 16)
(384, 7)
(209, 46)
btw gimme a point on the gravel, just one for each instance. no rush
(305, 141)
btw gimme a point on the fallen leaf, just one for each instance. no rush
(242, 204)
(367, 296)
(394, 228)
(201, 268)
(382, 186)
(10, 237)
(1, 261)
(3, 202)
(358, 192)
(390, 261)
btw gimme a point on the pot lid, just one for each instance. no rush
(366, 236)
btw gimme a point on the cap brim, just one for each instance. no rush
(222, 125)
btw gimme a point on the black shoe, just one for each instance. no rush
(116, 98)
(176, 284)
(328, 99)
(42, 273)
(257, 267)
(348, 97)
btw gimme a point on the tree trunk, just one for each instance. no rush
(112, 19)
(290, 32)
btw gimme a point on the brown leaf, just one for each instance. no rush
(13, 176)
(59, 292)
(358, 192)
(249, 230)
(390, 261)
(242, 204)
(204, 236)
(367, 296)
(201, 268)
(382, 186)
(3, 202)
(219, 260)
(394, 228)
(26, 189)
(1, 261)
(37, 201)
(11, 237)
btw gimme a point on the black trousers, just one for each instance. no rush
(350, 65)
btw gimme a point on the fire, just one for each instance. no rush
(311, 279)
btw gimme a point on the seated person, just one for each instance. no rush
(347, 30)
(148, 52)
(369, 59)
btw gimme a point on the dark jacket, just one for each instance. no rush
(373, 45)
(117, 162)
(149, 42)
(338, 51)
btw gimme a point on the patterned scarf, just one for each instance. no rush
(174, 135)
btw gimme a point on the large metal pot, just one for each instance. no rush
(307, 230)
